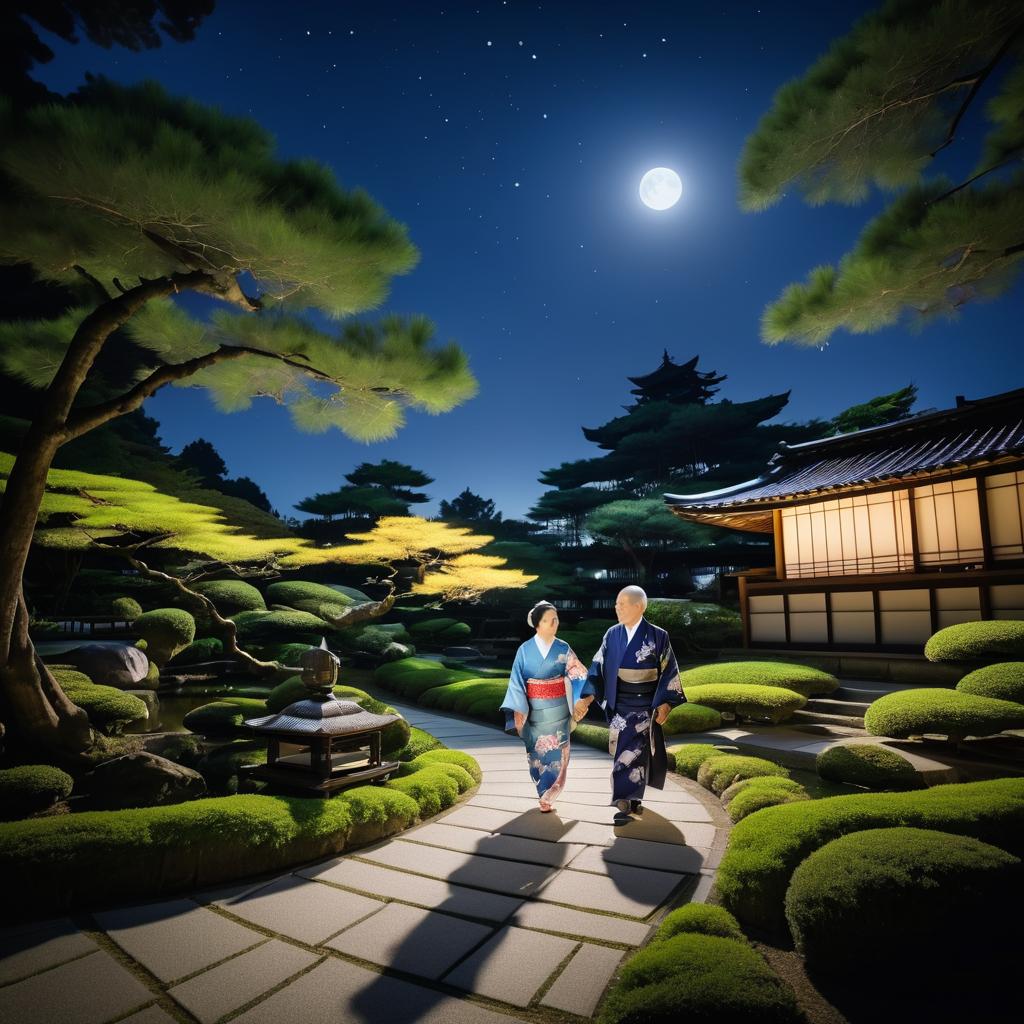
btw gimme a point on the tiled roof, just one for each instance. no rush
(975, 432)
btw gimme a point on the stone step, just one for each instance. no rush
(859, 691)
(831, 706)
(851, 721)
(827, 729)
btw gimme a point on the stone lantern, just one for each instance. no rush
(320, 743)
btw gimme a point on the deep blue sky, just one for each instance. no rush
(510, 138)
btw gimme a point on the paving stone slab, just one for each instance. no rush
(671, 857)
(669, 802)
(302, 909)
(424, 892)
(510, 877)
(526, 789)
(634, 892)
(150, 1015)
(578, 989)
(469, 840)
(175, 938)
(549, 917)
(601, 786)
(411, 939)
(337, 991)
(212, 994)
(485, 819)
(58, 996)
(28, 949)
(512, 966)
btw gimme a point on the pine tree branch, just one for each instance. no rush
(94, 281)
(979, 80)
(96, 415)
(981, 174)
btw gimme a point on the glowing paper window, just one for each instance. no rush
(948, 522)
(1004, 494)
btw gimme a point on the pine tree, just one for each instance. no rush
(468, 507)
(131, 197)
(877, 110)
(876, 412)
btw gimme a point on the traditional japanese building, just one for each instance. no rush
(884, 535)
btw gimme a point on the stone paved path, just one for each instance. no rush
(470, 918)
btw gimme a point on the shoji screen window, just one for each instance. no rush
(948, 523)
(1004, 493)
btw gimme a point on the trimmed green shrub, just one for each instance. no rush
(765, 848)
(31, 788)
(1004, 681)
(445, 756)
(719, 773)
(431, 787)
(702, 919)
(879, 898)
(696, 626)
(702, 978)
(691, 756)
(762, 792)
(167, 631)
(946, 712)
(462, 779)
(397, 630)
(995, 640)
(220, 767)
(306, 596)
(224, 717)
(287, 654)
(209, 648)
(591, 734)
(802, 679)
(412, 676)
(691, 718)
(419, 743)
(231, 596)
(125, 608)
(869, 765)
(440, 631)
(109, 709)
(458, 696)
(762, 781)
(281, 627)
(758, 703)
(377, 812)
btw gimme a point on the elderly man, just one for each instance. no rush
(637, 681)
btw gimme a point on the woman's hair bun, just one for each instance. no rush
(536, 613)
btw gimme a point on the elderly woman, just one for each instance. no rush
(547, 694)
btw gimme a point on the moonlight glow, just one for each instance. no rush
(660, 188)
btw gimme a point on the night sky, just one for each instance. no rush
(511, 138)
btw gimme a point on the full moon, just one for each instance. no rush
(660, 188)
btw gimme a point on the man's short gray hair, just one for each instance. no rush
(636, 594)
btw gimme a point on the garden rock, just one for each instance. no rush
(141, 780)
(119, 665)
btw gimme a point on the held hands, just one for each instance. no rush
(579, 711)
(661, 713)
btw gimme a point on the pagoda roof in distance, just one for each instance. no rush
(973, 433)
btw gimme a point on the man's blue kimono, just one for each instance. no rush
(632, 678)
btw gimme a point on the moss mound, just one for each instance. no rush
(297, 627)
(746, 700)
(460, 696)
(434, 757)
(109, 709)
(764, 849)
(167, 631)
(691, 718)
(440, 631)
(691, 756)
(802, 679)
(946, 712)
(751, 795)
(125, 608)
(224, 717)
(419, 743)
(869, 765)
(1004, 681)
(881, 896)
(221, 767)
(591, 734)
(209, 648)
(703, 978)
(31, 788)
(701, 919)
(719, 773)
(412, 676)
(431, 787)
(231, 596)
(968, 642)
(306, 596)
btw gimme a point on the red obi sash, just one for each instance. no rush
(545, 689)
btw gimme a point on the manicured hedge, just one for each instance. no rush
(30, 788)
(802, 679)
(307, 596)
(209, 648)
(691, 718)
(432, 788)
(222, 765)
(696, 626)
(995, 640)
(224, 717)
(440, 631)
(109, 709)
(1004, 681)
(412, 676)
(868, 764)
(459, 696)
(281, 627)
(591, 734)
(880, 898)
(947, 712)
(765, 791)
(704, 978)
(700, 918)
(125, 608)
(444, 756)
(167, 631)
(719, 773)
(765, 848)
(691, 756)
(230, 596)
(746, 700)
(419, 743)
